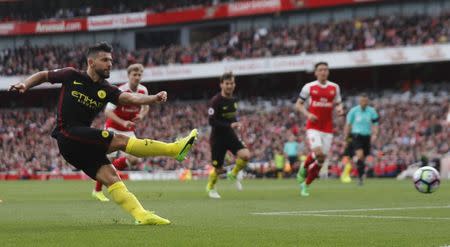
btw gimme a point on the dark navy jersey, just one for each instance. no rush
(222, 112)
(80, 99)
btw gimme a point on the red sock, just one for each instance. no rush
(98, 186)
(309, 160)
(313, 173)
(120, 163)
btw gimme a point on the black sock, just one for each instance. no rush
(361, 168)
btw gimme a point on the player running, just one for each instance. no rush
(323, 96)
(83, 95)
(222, 118)
(122, 119)
(361, 129)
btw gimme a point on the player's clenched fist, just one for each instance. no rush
(18, 87)
(161, 96)
(129, 124)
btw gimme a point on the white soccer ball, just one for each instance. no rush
(426, 179)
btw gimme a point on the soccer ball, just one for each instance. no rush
(426, 179)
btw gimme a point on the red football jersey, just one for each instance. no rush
(125, 112)
(322, 99)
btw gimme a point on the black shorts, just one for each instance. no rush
(85, 148)
(292, 159)
(358, 142)
(222, 142)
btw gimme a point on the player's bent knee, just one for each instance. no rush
(360, 154)
(119, 142)
(244, 154)
(107, 175)
(219, 170)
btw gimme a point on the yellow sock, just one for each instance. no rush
(212, 179)
(279, 175)
(347, 169)
(240, 164)
(150, 148)
(129, 202)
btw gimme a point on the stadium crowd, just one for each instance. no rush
(262, 42)
(413, 126)
(54, 10)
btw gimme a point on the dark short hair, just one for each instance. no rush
(320, 63)
(102, 46)
(226, 76)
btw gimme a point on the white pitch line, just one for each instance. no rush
(348, 210)
(371, 216)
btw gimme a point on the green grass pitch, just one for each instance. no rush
(388, 213)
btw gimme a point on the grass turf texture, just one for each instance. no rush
(59, 213)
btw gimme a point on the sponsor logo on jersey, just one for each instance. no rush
(229, 114)
(86, 100)
(130, 109)
(321, 103)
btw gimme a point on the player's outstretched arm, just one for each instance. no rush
(32, 81)
(141, 99)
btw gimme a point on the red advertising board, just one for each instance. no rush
(330, 3)
(17, 28)
(253, 7)
(141, 19)
(119, 21)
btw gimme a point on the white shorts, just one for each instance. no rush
(320, 139)
(116, 154)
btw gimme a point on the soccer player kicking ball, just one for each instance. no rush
(122, 120)
(362, 127)
(222, 118)
(323, 96)
(83, 95)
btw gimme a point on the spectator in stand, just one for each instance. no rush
(279, 161)
(42, 10)
(409, 132)
(359, 34)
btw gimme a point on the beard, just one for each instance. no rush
(104, 74)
